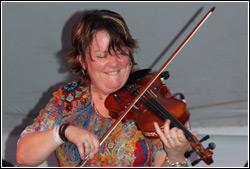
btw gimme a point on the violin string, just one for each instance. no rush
(157, 108)
(153, 105)
(165, 113)
(160, 109)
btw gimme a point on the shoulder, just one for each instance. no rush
(71, 91)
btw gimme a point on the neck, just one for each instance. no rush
(99, 99)
(97, 93)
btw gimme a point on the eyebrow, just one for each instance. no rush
(100, 51)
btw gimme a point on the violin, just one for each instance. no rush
(147, 101)
(156, 105)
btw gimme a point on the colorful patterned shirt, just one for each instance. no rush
(125, 146)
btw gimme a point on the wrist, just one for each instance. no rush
(62, 131)
(56, 135)
(176, 164)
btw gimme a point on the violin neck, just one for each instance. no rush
(164, 114)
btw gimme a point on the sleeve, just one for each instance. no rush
(47, 117)
(157, 146)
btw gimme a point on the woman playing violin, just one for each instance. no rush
(75, 118)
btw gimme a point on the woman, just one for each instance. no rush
(75, 118)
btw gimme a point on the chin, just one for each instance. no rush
(115, 88)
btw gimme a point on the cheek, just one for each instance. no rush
(95, 65)
(99, 66)
(124, 61)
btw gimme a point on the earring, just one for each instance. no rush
(83, 72)
(130, 63)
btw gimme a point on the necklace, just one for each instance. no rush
(93, 105)
(100, 97)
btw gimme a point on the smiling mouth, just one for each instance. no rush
(112, 73)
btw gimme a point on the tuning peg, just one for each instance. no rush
(211, 146)
(205, 138)
(195, 162)
(188, 153)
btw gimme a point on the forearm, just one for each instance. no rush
(35, 148)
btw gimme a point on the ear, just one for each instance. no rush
(81, 61)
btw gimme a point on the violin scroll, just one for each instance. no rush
(205, 154)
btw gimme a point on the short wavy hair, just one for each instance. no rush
(89, 23)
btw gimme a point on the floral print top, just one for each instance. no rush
(125, 146)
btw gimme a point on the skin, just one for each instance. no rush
(113, 72)
(175, 144)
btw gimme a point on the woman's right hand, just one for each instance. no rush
(87, 143)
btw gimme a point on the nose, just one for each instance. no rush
(113, 61)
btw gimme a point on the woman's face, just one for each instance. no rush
(107, 72)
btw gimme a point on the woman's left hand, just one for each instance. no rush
(174, 140)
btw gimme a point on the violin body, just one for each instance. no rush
(146, 111)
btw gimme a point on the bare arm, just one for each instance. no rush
(35, 148)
